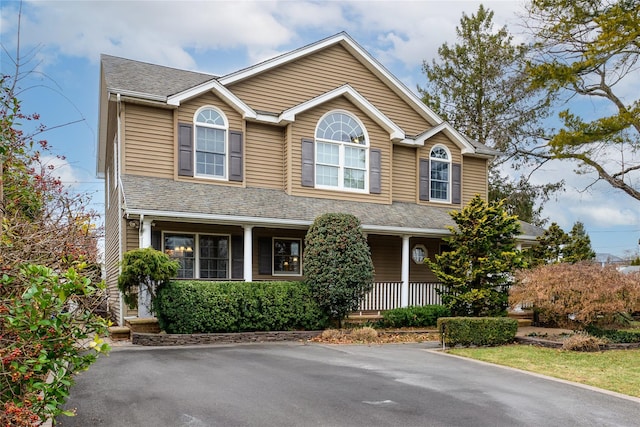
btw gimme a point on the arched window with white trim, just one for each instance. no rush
(440, 179)
(341, 157)
(211, 128)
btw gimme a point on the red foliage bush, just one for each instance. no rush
(577, 294)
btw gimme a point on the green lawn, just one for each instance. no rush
(615, 370)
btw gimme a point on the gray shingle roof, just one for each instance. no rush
(156, 80)
(166, 195)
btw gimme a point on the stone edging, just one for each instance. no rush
(145, 339)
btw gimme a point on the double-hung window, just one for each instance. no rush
(211, 143)
(341, 160)
(440, 167)
(201, 256)
(287, 257)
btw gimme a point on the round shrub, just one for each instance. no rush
(366, 334)
(337, 263)
(583, 342)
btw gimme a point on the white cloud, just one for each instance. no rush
(62, 169)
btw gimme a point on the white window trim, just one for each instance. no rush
(341, 156)
(273, 256)
(226, 143)
(449, 161)
(196, 251)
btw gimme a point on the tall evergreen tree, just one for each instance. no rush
(556, 246)
(477, 270)
(550, 246)
(479, 86)
(579, 247)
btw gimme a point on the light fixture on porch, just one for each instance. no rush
(419, 253)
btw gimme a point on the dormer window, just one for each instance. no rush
(341, 157)
(210, 143)
(440, 179)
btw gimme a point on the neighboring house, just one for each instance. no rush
(226, 174)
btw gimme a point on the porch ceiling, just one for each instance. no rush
(258, 206)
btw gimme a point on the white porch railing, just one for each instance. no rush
(383, 296)
(421, 293)
(386, 295)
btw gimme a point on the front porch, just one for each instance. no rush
(389, 295)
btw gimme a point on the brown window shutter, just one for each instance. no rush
(185, 149)
(264, 256)
(235, 155)
(424, 187)
(375, 173)
(456, 187)
(237, 257)
(308, 160)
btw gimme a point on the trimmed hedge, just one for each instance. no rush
(414, 316)
(189, 307)
(614, 335)
(480, 331)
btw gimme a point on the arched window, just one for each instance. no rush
(211, 143)
(341, 160)
(440, 167)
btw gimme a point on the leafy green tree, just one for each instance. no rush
(579, 247)
(479, 86)
(337, 263)
(477, 270)
(147, 268)
(589, 50)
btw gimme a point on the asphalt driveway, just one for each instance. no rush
(294, 384)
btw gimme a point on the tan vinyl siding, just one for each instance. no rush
(386, 254)
(474, 179)
(111, 223)
(420, 272)
(405, 174)
(148, 144)
(304, 127)
(308, 77)
(264, 156)
(442, 139)
(188, 109)
(287, 158)
(131, 238)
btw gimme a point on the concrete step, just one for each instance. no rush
(146, 325)
(523, 323)
(120, 333)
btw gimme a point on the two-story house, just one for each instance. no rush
(226, 173)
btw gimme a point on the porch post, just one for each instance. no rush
(248, 253)
(404, 292)
(144, 299)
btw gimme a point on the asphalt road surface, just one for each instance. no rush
(295, 384)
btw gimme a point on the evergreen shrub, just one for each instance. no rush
(615, 335)
(480, 331)
(188, 307)
(414, 316)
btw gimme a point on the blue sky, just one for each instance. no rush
(64, 40)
